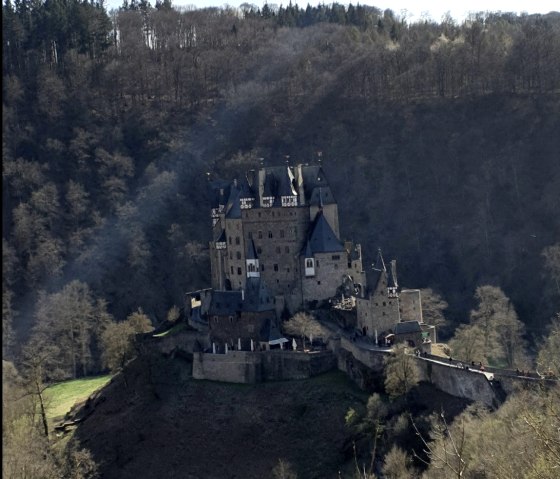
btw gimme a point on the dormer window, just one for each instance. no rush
(247, 203)
(267, 201)
(289, 201)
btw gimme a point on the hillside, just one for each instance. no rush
(161, 423)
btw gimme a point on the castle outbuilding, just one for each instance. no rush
(388, 310)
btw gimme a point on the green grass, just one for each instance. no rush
(173, 330)
(60, 397)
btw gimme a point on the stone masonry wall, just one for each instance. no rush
(459, 382)
(252, 367)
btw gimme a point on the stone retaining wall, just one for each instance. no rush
(251, 367)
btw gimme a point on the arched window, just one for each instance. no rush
(251, 268)
(309, 263)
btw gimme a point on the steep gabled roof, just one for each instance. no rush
(245, 190)
(322, 238)
(233, 206)
(251, 251)
(225, 303)
(219, 191)
(257, 296)
(320, 196)
(307, 253)
(221, 237)
(314, 179)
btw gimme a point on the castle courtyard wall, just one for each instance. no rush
(248, 367)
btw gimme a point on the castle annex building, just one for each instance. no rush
(280, 225)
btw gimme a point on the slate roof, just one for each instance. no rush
(257, 296)
(251, 251)
(407, 327)
(233, 206)
(270, 332)
(314, 179)
(225, 303)
(321, 196)
(322, 238)
(218, 198)
(222, 237)
(307, 253)
(245, 191)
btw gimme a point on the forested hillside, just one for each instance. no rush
(440, 140)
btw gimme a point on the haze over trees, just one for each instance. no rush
(112, 123)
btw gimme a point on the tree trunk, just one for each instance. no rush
(42, 406)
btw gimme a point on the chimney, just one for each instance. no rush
(242, 294)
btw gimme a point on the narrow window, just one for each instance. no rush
(275, 267)
(250, 235)
(231, 269)
(281, 233)
(239, 271)
(229, 240)
(287, 249)
(260, 233)
(278, 249)
(237, 240)
(270, 234)
(238, 255)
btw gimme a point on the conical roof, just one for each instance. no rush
(322, 238)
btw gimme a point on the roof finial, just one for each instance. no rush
(261, 162)
(287, 160)
(319, 157)
(320, 199)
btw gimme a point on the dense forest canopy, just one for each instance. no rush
(112, 123)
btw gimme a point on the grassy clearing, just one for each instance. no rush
(62, 396)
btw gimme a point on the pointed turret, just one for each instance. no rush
(322, 238)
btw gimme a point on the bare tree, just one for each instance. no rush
(303, 325)
(548, 359)
(283, 470)
(401, 372)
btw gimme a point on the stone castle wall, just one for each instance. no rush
(469, 384)
(252, 367)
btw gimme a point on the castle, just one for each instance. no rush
(280, 224)
(276, 249)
